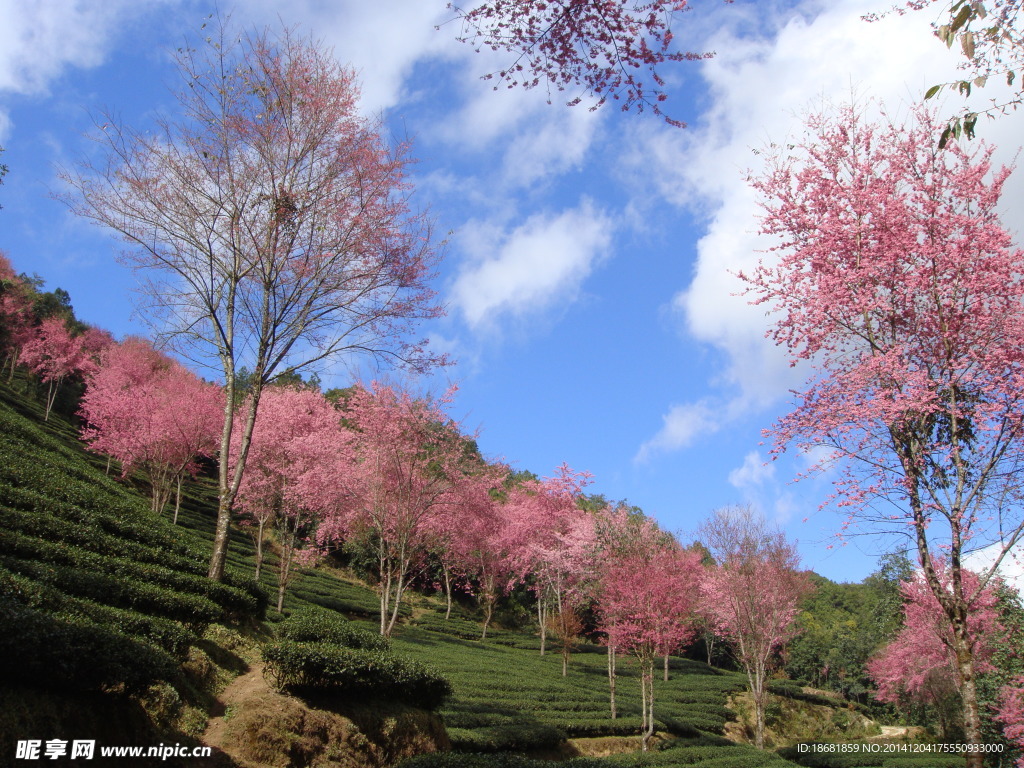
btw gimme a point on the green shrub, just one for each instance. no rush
(924, 761)
(311, 667)
(86, 534)
(194, 611)
(324, 626)
(169, 635)
(506, 738)
(230, 598)
(70, 652)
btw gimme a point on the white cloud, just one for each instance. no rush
(550, 145)
(1011, 569)
(754, 472)
(680, 427)
(761, 83)
(40, 40)
(528, 269)
(382, 40)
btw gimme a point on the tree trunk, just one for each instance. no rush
(448, 593)
(51, 395)
(259, 548)
(177, 501)
(756, 678)
(969, 696)
(665, 675)
(611, 679)
(229, 479)
(542, 620)
(488, 613)
(647, 695)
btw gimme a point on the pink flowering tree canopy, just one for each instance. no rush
(924, 649)
(409, 459)
(599, 48)
(548, 537)
(151, 413)
(647, 590)
(297, 475)
(53, 353)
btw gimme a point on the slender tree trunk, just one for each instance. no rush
(385, 596)
(756, 677)
(611, 679)
(448, 592)
(177, 500)
(542, 620)
(230, 478)
(51, 395)
(399, 589)
(260, 526)
(288, 528)
(647, 694)
(665, 675)
(565, 662)
(488, 613)
(284, 566)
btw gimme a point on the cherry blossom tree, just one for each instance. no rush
(409, 458)
(647, 590)
(473, 537)
(16, 316)
(53, 353)
(895, 280)
(151, 413)
(920, 663)
(605, 49)
(1010, 713)
(299, 462)
(271, 222)
(753, 595)
(548, 538)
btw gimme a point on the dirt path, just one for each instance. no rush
(243, 688)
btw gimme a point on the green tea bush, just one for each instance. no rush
(194, 611)
(169, 635)
(323, 626)
(232, 599)
(506, 738)
(311, 667)
(87, 535)
(825, 759)
(462, 760)
(70, 652)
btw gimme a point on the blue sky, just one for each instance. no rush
(589, 271)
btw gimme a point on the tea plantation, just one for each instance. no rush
(100, 598)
